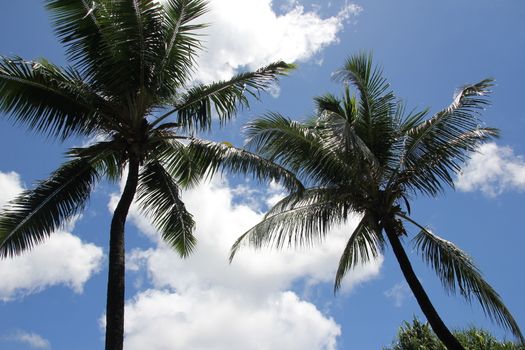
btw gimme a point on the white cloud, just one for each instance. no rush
(251, 296)
(214, 319)
(10, 186)
(34, 340)
(251, 34)
(398, 293)
(493, 170)
(61, 259)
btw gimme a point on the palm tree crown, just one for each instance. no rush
(131, 68)
(364, 153)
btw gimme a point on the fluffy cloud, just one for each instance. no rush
(62, 259)
(493, 170)
(31, 339)
(251, 34)
(215, 319)
(251, 296)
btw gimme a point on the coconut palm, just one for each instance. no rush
(129, 86)
(365, 154)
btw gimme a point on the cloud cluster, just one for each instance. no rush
(493, 170)
(251, 296)
(63, 259)
(398, 293)
(250, 34)
(31, 339)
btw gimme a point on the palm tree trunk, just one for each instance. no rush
(116, 273)
(437, 324)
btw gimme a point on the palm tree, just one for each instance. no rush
(364, 154)
(131, 69)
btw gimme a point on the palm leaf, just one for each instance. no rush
(51, 100)
(298, 146)
(457, 271)
(213, 156)
(436, 148)
(35, 214)
(182, 43)
(159, 198)
(194, 108)
(364, 245)
(298, 226)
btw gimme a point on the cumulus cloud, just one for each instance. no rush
(250, 34)
(251, 296)
(62, 259)
(398, 293)
(493, 170)
(31, 339)
(216, 319)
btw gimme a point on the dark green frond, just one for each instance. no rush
(364, 245)
(376, 105)
(436, 148)
(116, 44)
(35, 214)
(457, 272)
(298, 147)
(107, 157)
(49, 99)
(298, 226)
(159, 198)
(213, 156)
(182, 43)
(224, 97)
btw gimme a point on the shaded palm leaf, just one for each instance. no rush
(364, 244)
(436, 148)
(182, 43)
(35, 214)
(213, 156)
(296, 145)
(159, 198)
(299, 226)
(194, 110)
(49, 99)
(457, 271)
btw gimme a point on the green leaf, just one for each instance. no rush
(457, 272)
(35, 214)
(159, 198)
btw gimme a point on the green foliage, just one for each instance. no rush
(419, 336)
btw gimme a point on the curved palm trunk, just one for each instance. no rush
(437, 324)
(116, 274)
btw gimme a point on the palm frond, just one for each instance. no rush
(376, 103)
(194, 111)
(213, 156)
(35, 214)
(364, 245)
(436, 148)
(298, 226)
(107, 157)
(51, 100)
(457, 271)
(182, 43)
(298, 146)
(159, 198)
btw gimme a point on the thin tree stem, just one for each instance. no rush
(116, 273)
(433, 318)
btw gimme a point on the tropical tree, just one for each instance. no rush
(363, 153)
(418, 335)
(129, 86)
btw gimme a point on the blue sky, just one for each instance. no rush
(54, 296)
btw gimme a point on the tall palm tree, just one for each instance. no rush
(364, 154)
(131, 70)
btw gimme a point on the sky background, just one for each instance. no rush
(54, 296)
